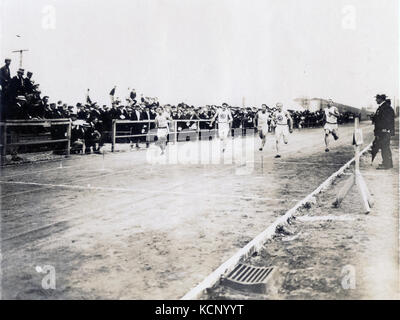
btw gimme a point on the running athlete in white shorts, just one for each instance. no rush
(162, 119)
(331, 125)
(224, 118)
(262, 118)
(282, 129)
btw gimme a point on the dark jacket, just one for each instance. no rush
(5, 77)
(152, 117)
(384, 118)
(17, 87)
(28, 85)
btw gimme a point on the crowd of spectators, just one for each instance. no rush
(21, 98)
(308, 119)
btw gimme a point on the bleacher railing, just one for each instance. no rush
(13, 133)
(150, 131)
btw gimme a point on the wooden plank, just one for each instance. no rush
(364, 186)
(363, 195)
(36, 142)
(344, 191)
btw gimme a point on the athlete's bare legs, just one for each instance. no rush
(326, 141)
(263, 137)
(223, 141)
(162, 142)
(278, 155)
(327, 133)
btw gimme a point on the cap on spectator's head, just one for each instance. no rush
(381, 96)
(7, 60)
(29, 73)
(20, 70)
(224, 104)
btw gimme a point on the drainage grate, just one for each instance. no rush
(252, 279)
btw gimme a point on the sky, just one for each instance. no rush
(207, 51)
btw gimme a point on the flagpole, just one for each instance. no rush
(21, 51)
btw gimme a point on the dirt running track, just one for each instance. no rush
(120, 227)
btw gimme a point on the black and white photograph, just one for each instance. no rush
(199, 150)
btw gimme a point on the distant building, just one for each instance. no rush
(303, 102)
(318, 104)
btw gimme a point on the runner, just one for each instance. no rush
(282, 117)
(262, 118)
(224, 119)
(331, 125)
(162, 119)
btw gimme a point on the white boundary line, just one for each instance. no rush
(257, 243)
(118, 189)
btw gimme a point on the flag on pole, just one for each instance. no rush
(112, 94)
(133, 94)
(87, 97)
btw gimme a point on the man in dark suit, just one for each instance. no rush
(5, 78)
(17, 87)
(148, 115)
(384, 129)
(136, 128)
(5, 75)
(28, 83)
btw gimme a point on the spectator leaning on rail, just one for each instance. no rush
(384, 129)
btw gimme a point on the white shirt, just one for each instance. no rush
(329, 117)
(281, 117)
(224, 116)
(262, 118)
(162, 120)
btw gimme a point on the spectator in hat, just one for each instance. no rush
(132, 96)
(17, 109)
(5, 78)
(77, 135)
(136, 128)
(92, 137)
(29, 83)
(5, 75)
(384, 129)
(17, 87)
(149, 115)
